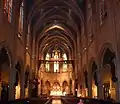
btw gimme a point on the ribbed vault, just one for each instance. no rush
(55, 23)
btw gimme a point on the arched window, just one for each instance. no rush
(47, 56)
(65, 63)
(20, 27)
(8, 9)
(64, 56)
(47, 65)
(56, 66)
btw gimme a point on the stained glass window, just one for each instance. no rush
(20, 27)
(8, 9)
(56, 66)
(47, 63)
(47, 66)
(64, 64)
(56, 63)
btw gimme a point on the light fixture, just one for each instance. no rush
(46, 44)
(85, 48)
(19, 35)
(27, 48)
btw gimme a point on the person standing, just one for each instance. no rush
(80, 102)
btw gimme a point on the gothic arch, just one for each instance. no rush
(65, 86)
(103, 50)
(108, 69)
(47, 83)
(8, 52)
(92, 59)
(47, 87)
(5, 65)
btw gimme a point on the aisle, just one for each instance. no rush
(56, 101)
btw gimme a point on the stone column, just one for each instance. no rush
(22, 81)
(118, 91)
(100, 85)
(11, 84)
(118, 82)
(30, 84)
(89, 84)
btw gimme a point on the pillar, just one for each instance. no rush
(11, 84)
(22, 81)
(89, 84)
(30, 84)
(100, 85)
(118, 82)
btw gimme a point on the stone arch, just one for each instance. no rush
(108, 70)
(5, 65)
(92, 59)
(108, 58)
(103, 49)
(47, 83)
(94, 73)
(65, 83)
(6, 50)
(47, 87)
(4, 57)
(56, 83)
(65, 87)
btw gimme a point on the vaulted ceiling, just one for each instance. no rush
(55, 22)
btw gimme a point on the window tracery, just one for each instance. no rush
(21, 15)
(8, 4)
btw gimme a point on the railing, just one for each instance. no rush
(65, 101)
(49, 101)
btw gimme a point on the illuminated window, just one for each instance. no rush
(102, 11)
(8, 9)
(65, 63)
(64, 56)
(47, 66)
(20, 27)
(65, 66)
(56, 55)
(47, 63)
(56, 66)
(47, 56)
